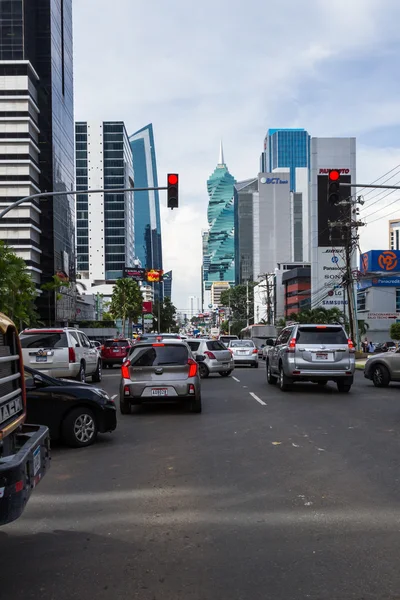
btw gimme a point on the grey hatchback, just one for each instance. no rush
(160, 372)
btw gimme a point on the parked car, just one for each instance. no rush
(216, 358)
(385, 347)
(244, 352)
(160, 372)
(61, 352)
(383, 368)
(114, 352)
(74, 412)
(225, 339)
(317, 353)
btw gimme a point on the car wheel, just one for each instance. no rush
(283, 381)
(270, 378)
(79, 428)
(124, 407)
(322, 383)
(203, 371)
(81, 375)
(96, 377)
(343, 387)
(195, 404)
(380, 376)
(225, 373)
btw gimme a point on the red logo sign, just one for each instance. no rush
(154, 275)
(387, 260)
(341, 171)
(147, 308)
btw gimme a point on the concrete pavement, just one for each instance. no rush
(265, 495)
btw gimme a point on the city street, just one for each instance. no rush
(265, 495)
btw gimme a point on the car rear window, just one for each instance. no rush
(215, 345)
(151, 356)
(241, 344)
(227, 338)
(316, 335)
(44, 340)
(193, 345)
(116, 344)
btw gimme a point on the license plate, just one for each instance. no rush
(36, 461)
(242, 351)
(159, 392)
(115, 349)
(321, 356)
(41, 359)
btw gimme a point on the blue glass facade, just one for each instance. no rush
(168, 284)
(286, 148)
(147, 204)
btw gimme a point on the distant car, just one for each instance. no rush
(385, 347)
(383, 368)
(225, 339)
(244, 352)
(61, 352)
(74, 412)
(161, 371)
(115, 351)
(215, 357)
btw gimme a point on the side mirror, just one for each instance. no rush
(270, 342)
(200, 358)
(38, 382)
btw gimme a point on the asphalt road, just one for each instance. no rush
(264, 496)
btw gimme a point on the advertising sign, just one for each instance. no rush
(380, 282)
(331, 267)
(154, 275)
(385, 261)
(383, 316)
(147, 307)
(135, 273)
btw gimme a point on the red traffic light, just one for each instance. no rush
(334, 175)
(172, 179)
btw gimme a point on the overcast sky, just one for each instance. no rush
(231, 69)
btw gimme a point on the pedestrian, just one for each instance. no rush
(365, 346)
(371, 347)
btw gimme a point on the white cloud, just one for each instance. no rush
(232, 69)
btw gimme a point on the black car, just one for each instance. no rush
(74, 412)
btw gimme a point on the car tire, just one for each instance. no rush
(255, 365)
(203, 371)
(97, 375)
(79, 428)
(195, 404)
(283, 381)
(124, 407)
(343, 387)
(380, 376)
(270, 378)
(225, 373)
(81, 375)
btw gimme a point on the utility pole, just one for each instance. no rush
(247, 303)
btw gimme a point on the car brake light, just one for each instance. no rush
(351, 346)
(292, 345)
(71, 355)
(255, 351)
(210, 354)
(158, 345)
(192, 367)
(125, 369)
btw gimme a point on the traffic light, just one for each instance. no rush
(172, 190)
(333, 186)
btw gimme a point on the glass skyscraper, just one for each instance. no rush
(286, 148)
(219, 253)
(147, 204)
(243, 209)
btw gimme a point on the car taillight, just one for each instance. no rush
(292, 345)
(210, 354)
(351, 346)
(125, 369)
(192, 367)
(71, 355)
(255, 351)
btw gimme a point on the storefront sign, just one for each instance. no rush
(341, 171)
(380, 261)
(383, 316)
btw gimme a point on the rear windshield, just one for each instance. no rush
(227, 338)
(149, 356)
(116, 344)
(44, 340)
(314, 335)
(193, 345)
(215, 345)
(241, 344)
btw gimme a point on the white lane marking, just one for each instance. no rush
(258, 399)
(235, 378)
(112, 397)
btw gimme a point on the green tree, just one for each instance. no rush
(17, 290)
(126, 302)
(167, 315)
(318, 315)
(362, 327)
(395, 331)
(236, 298)
(53, 289)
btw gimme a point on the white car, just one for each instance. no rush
(61, 352)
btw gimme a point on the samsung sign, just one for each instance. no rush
(275, 180)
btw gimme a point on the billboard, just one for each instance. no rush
(135, 273)
(384, 261)
(331, 267)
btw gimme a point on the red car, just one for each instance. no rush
(114, 352)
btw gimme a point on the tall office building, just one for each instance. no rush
(147, 203)
(167, 281)
(37, 125)
(289, 150)
(220, 252)
(394, 234)
(243, 209)
(104, 222)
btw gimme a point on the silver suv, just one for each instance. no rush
(213, 357)
(317, 353)
(61, 352)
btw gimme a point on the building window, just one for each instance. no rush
(361, 300)
(398, 300)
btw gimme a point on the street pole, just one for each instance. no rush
(247, 303)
